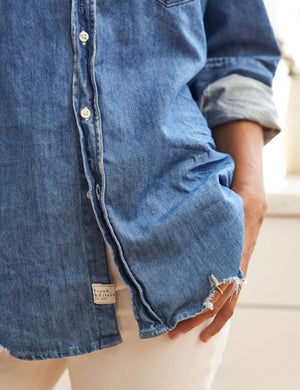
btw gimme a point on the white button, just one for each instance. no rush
(85, 113)
(83, 36)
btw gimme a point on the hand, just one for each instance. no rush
(244, 141)
(255, 207)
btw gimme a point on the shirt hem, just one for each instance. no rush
(69, 352)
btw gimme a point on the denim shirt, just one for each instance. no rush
(107, 109)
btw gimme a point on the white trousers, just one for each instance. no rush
(136, 364)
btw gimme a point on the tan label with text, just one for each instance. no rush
(104, 293)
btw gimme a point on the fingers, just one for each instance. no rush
(219, 298)
(222, 316)
(218, 301)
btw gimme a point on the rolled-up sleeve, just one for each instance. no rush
(237, 97)
(242, 58)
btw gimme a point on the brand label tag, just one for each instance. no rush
(104, 293)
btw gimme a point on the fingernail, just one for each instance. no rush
(205, 339)
(174, 336)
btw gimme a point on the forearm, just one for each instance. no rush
(244, 141)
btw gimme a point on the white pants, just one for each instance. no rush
(136, 364)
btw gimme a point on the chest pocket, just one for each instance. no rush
(171, 3)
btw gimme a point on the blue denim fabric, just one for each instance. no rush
(115, 113)
(235, 97)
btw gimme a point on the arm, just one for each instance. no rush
(242, 57)
(244, 141)
(234, 94)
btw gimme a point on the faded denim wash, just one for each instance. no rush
(103, 140)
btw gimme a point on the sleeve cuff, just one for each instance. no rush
(235, 97)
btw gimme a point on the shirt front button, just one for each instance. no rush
(85, 113)
(88, 194)
(83, 36)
